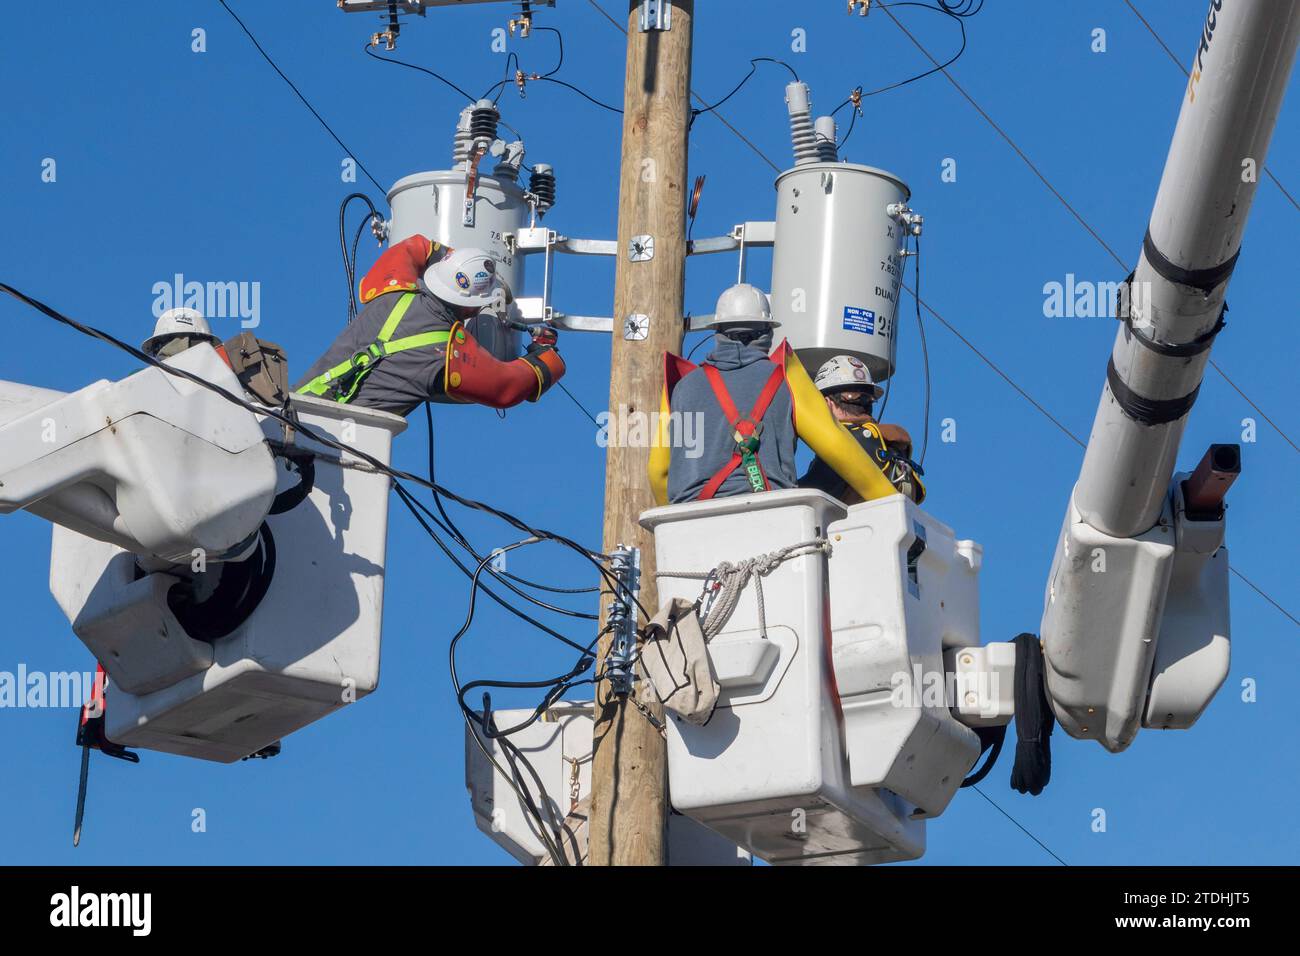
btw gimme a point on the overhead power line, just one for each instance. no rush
(967, 342)
(1178, 63)
(1021, 826)
(1074, 212)
(297, 92)
(721, 119)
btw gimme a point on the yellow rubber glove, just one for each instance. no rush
(830, 440)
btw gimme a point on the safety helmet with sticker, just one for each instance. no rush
(467, 277)
(844, 373)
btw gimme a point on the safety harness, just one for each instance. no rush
(898, 468)
(746, 430)
(341, 382)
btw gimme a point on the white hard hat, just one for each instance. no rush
(176, 322)
(466, 277)
(846, 373)
(742, 304)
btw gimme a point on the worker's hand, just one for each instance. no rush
(543, 335)
(547, 365)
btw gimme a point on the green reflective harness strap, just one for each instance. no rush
(395, 317)
(360, 365)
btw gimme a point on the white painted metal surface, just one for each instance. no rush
(836, 263)
(1113, 603)
(1215, 161)
(903, 590)
(153, 463)
(770, 770)
(559, 749)
(432, 203)
(311, 646)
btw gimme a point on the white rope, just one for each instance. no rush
(724, 584)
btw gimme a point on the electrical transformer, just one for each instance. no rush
(840, 242)
(479, 203)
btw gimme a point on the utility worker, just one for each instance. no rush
(751, 407)
(850, 395)
(428, 333)
(177, 330)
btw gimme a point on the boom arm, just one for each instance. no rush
(1128, 534)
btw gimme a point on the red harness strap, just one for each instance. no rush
(742, 426)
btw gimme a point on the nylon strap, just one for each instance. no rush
(351, 372)
(744, 430)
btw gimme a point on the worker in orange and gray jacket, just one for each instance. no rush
(751, 451)
(433, 329)
(850, 394)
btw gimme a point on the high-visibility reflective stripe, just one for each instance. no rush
(361, 364)
(394, 317)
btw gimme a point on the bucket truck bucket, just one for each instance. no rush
(769, 771)
(155, 464)
(559, 748)
(204, 683)
(904, 591)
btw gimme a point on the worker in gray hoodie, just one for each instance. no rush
(752, 408)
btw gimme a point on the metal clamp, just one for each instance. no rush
(625, 563)
(655, 15)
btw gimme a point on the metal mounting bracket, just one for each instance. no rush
(641, 248)
(655, 15)
(636, 327)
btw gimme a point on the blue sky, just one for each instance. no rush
(206, 164)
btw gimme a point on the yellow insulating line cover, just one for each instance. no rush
(832, 442)
(814, 423)
(660, 454)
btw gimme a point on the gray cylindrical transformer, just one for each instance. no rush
(433, 205)
(837, 263)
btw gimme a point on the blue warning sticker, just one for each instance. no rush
(859, 320)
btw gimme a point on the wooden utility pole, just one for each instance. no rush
(629, 780)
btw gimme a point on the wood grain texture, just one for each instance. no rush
(629, 772)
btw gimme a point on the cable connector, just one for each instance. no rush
(863, 7)
(625, 564)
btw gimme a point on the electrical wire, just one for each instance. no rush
(958, 12)
(573, 398)
(721, 119)
(753, 68)
(266, 56)
(1073, 212)
(350, 265)
(499, 86)
(1178, 63)
(928, 308)
(1020, 826)
(925, 352)
(586, 96)
(368, 50)
(460, 538)
(594, 557)
(695, 347)
(853, 121)
(483, 725)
